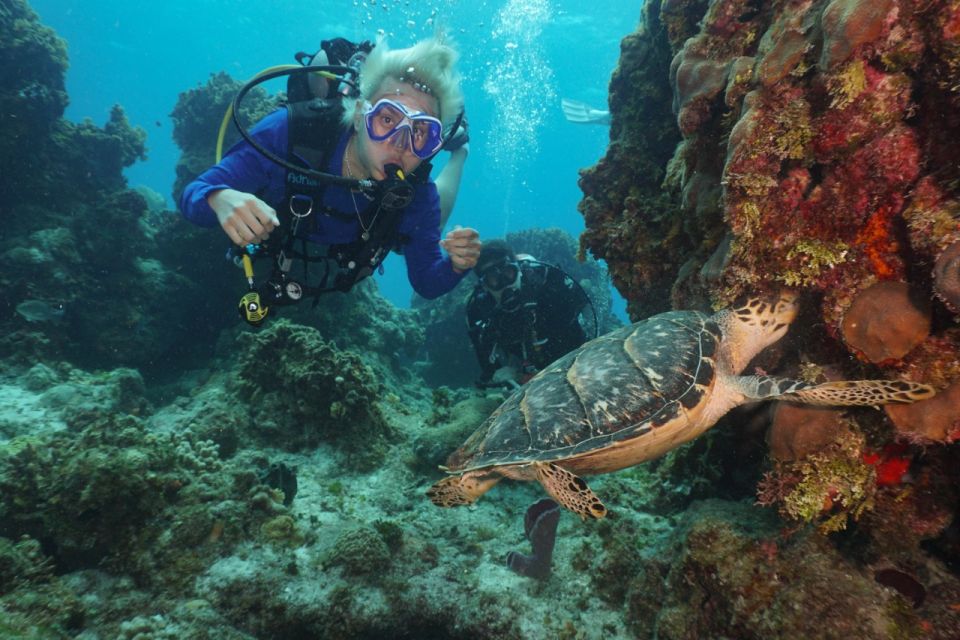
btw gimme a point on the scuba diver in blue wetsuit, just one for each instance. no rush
(336, 184)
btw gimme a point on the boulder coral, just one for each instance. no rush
(304, 390)
(886, 321)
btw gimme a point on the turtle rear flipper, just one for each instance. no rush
(569, 490)
(841, 393)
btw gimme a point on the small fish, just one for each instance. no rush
(40, 311)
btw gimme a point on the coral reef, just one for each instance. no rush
(734, 578)
(93, 249)
(196, 123)
(630, 221)
(806, 147)
(33, 62)
(821, 145)
(303, 390)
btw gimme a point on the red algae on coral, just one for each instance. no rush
(886, 321)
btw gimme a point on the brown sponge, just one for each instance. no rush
(886, 321)
(933, 420)
(799, 430)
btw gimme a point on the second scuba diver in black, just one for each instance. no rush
(522, 316)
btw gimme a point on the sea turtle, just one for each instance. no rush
(634, 394)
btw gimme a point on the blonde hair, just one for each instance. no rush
(430, 63)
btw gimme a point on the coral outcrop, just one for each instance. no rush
(805, 146)
(303, 390)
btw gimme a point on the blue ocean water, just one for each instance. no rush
(519, 57)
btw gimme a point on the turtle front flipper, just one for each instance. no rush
(840, 393)
(569, 490)
(457, 491)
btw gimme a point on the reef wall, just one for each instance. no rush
(808, 145)
(805, 144)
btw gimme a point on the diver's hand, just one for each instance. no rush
(245, 218)
(463, 245)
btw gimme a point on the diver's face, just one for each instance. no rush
(375, 155)
(502, 281)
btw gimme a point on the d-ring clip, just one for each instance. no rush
(301, 206)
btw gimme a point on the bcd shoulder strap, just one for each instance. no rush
(313, 130)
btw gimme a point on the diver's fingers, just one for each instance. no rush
(266, 215)
(249, 219)
(234, 236)
(248, 215)
(463, 236)
(243, 231)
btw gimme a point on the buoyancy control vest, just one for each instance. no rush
(314, 129)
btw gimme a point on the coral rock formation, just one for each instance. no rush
(886, 321)
(933, 420)
(798, 430)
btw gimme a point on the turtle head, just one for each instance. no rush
(754, 325)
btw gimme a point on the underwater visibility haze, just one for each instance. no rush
(768, 190)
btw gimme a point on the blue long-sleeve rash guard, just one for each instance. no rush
(243, 168)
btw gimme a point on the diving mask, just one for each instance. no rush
(414, 130)
(498, 277)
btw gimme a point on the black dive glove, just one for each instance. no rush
(459, 137)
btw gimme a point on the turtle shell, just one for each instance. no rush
(616, 387)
